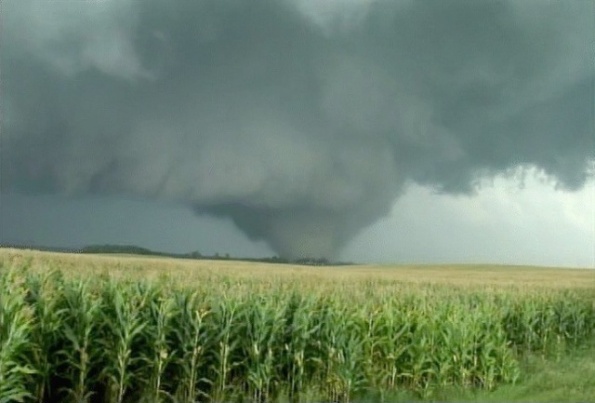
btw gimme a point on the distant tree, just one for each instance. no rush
(311, 261)
(128, 249)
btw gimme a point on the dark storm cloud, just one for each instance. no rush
(300, 120)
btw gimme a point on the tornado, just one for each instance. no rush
(302, 121)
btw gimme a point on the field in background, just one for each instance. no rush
(119, 328)
(195, 270)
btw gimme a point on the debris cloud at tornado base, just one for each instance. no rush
(302, 121)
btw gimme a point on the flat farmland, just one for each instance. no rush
(195, 270)
(77, 327)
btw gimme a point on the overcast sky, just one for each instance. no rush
(376, 130)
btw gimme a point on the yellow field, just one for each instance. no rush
(129, 328)
(190, 271)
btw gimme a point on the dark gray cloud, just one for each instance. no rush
(302, 121)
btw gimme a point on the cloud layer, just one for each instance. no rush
(302, 121)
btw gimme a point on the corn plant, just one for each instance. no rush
(158, 353)
(45, 334)
(191, 337)
(15, 334)
(263, 324)
(123, 324)
(78, 332)
(224, 315)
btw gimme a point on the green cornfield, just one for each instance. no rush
(94, 336)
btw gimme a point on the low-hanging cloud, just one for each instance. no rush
(302, 121)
